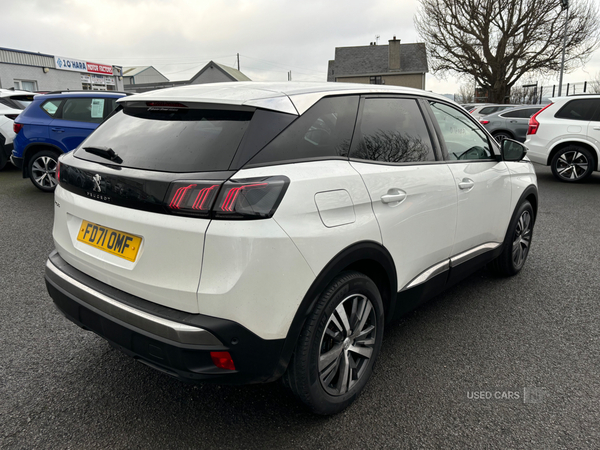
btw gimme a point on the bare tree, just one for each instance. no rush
(466, 94)
(594, 85)
(499, 41)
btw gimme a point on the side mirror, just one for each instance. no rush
(512, 150)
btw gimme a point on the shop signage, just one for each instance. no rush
(97, 79)
(86, 78)
(77, 65)
(74, 65)
(110, 80)
(99, 68)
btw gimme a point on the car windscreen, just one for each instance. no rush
(168, 139)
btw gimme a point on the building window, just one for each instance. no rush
(375, 80)
(26, 85)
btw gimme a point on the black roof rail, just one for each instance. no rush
(87, 91)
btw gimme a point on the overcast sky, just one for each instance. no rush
(178, 37)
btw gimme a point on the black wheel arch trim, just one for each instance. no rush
(351, 258)
(530, 191)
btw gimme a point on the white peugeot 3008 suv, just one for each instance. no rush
(245, 232)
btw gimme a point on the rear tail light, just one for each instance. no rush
(256, 198)
(12, 116)
(533, 123)
(484, 122)
(17, 127)
(192, 198)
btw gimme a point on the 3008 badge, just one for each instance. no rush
(123, 245)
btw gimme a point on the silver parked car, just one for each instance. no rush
(511, 124)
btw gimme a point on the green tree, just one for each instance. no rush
(499, 41)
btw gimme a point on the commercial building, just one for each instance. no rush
(38, 72)
(395, 64)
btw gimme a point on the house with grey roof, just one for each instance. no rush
(394, 64)
(213, 72)
(142, 75)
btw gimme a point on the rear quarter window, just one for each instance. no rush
(582, 109)
(324, 131)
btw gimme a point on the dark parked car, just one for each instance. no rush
(54, 124)
(511, 124)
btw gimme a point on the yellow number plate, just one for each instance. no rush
(112, 241)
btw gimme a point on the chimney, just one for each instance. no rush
(394, 54)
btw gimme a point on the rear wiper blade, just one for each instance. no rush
(104, 152)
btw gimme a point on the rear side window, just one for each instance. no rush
(392, 130)
(521, 113)
(488, 110)
(324, 131)
(51, 106)
(84, 109)
(582, 109)
(170, 139)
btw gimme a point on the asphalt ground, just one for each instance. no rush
(530, 342)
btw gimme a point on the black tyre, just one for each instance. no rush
(3, 153)
(572, 164)
(501, 135)
(516, 243)
(42, 170)
(337, 348)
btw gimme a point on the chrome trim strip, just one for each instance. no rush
(158, 326)
(428, 274)
(472, 253)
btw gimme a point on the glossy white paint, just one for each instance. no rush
(484, 208)
(335, 208)
(418, 231)
(167, 269)
(298, 215)
(253, 274)
(288, 97)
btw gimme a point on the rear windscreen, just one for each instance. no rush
(169, 139)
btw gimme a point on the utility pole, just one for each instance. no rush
(238, 61)
(565, 6)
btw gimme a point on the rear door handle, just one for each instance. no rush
(393, 197)
(514, 121)
(58, 130)
(596, 128)
(466, 184)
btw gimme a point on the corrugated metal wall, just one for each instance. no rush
(29, 59)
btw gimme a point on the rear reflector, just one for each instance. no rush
(222, 360)
(484, 122)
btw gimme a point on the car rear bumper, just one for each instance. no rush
(168, 340)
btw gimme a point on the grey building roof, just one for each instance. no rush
(373, 59)
(132, 71)
(230, 72)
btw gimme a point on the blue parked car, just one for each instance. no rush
(54, 124)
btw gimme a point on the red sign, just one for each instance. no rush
(99, 68)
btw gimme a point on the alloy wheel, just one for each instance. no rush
(43, 172)
(347, 344)
(572, 165)
(522, 240)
